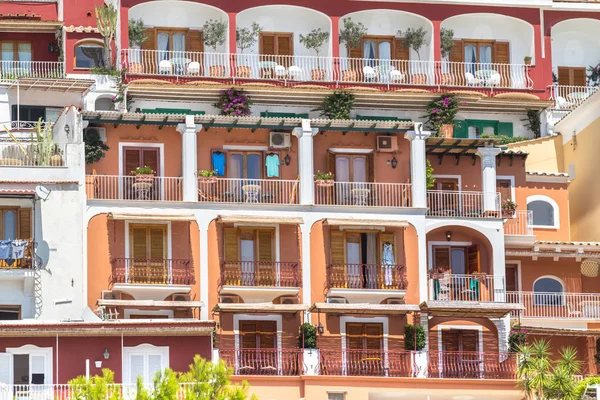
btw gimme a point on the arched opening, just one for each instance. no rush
(103, 103)
(89, 53)
(548, 291)
(545, 211)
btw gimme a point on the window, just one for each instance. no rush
(144, 360)
(10, 313)
(248, 256)
(258, 335)
(460, 340)
(543, 213)
(548, 292)
(16, 51)
(35, 113)
(26, 365)
(245, 165)
(135, 157)
(474, 128)
(572, 76)
(276, 43)
(457, 260)
(336, 396)
(171, 39)
(147, 254)
(475, 52)
(381, 48)
(89, 55)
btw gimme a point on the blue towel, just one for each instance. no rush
(5, 249)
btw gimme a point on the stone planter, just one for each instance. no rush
(56, 161)
(447, 131)
(508, 213)
(349, 76)
(216, 71)
(317, 75)
(419, 79)
(144, 178)
(325, 182)
(243, 71)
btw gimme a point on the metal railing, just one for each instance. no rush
(367, 276)
(521, 224)
(570, 97)
(187, 391)
(26, 153)
(255, 191)
(472, 365)
(260, 273)
(326, 69)
(155, 271)
(362, 194)
(475, 287)
(446, 203)
(397, 363)
(16, 254)
(283, 362)
(20, 126)
(11, 70)
(115, 187)
(557, 305)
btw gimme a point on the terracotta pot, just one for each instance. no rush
(325, 182)
(447, 131)
(136, 68)
(508, 213)
(243, 71)
(139, 178)
(419, 79)
(349, 75)
(217, 71)
(447, 79)
(527, 62)
(207, 179)
(56, 160)
(317, 75)
(437, 275)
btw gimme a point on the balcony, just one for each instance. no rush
(460, 204)
(27, 153)
(338, 362)
(281, 362)
(572, 306)
(253, 191)
(466, 288)
(12, 259)
(152, 271)
(363, 194)
(326, 70)
(568, 98)
(371, 283)
(472, 365)
(114, 187)
(519, 225)
(12, 70)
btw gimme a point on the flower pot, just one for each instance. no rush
(207, 179)
(527, 62)
(140, 178)
(508, 213)
(419, 79)
(136, 68)
(437, 275)
(317, 75)
(325, 182)
(56, 161)
(243, 71)
(349, 75)
(447, 131)
(217, 71)
(447, 79)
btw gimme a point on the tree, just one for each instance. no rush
(414, 39)
(106, 21)
(96, 387)
(215, 33)
(94, 146)
(446, 41)
(351, 34)
(314, 39)
(247, 37)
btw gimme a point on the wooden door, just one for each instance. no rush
(473, 259)
(364, 355)
(136, 157)
(148, 260)
(258, 340)
(512, 278)
(504, 187)
(460, 353)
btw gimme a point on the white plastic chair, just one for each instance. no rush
(494, 79)
(165, 67)
(295, 73)
(396, 76)
(193, 67)
(471, 80)
(369, 73)
(280, 71)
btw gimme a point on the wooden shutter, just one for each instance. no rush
(373, 335)
(386, 238)
(370, 165)
(25, 229)
(578, 76)
(399, 50)
(138, 242)
(505, 128)
(502, 53)
(564, 76)
(157, 243)
(450, 340)
(469, 340)
(267, 43)
(248, 333)
(149, 61)
(473, 259)
(338, 248)
(448, 184)
(268, 335)
(511, 278)
(150, 42)
(285, 45)
(132, 160)
(503, 186)
(457, 53)
(441, 257)
(265, 245)
(150, 159)
(354, 336)
(356, 52)
(230, 244)
(195, 44)
(331, 162)
(460, 129)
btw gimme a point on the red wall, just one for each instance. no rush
(39, 41)
(47, 11)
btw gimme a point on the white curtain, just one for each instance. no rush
(385, 51)
(24, 51)
(179, 43)
(387, 259)
(354, 264)
(163, 46)
(485, 54)
(359, 167)
(470, 58)
(247, 250)
(371, 260)
(342, 174)
(7, 52)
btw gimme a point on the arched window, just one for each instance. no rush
(544, 210)
(548, 291)
(89, 54)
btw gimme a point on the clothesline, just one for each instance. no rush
(11, 250)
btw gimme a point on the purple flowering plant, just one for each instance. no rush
(441, 111)
(234, 102)
(516, 338)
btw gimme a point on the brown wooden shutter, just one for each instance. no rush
(354, 336)
(338, 247)
(331, 162)
(157, 243)
(195, 44)
(25, 228)
(285, 45)
(511, 279)
(578, 76)
(373, 336)
(502, 52)
(399, 51)
(447, 184)
(248, 333)
(386, 238)
(150, 159)
(132, 160)
(265, 245)
(469, 340)
(370, 161)
(268, 335)
(457, 54)
(564, 76)
(138, 242)
(150, 42)
(473, 259)
(230, 244)
(149, 59)
(503, 186)
(267, 43)
(356, 52)
(441, 257)
(450, 340)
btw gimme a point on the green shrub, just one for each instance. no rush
(308, 336)
(409, 337)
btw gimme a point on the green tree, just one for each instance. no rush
(215, 33)
(96, 387)
(94, 146)
(247, 37)
(351, 34)
(414, 39)
(137, 32)
(446, 41)
(314, 39)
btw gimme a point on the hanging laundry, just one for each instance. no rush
(272, 163)
(5, 248)
(218, 163)
(388, 262)
(18, 249)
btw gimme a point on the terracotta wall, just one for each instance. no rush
(39, 41)
(382, 171)
(290, 330)
(557, 192)
(488, 330)
(585, 347)
(462, 234)
(331, 337)
(470, 173)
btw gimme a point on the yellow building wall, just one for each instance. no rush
(545, 154)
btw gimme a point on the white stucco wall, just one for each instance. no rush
(387, 23)
(283, 18)
(575, 43)
(495, 27)
(33, 97)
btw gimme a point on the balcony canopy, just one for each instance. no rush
(150, 304)
(364, 308)
(440, 308)
(259, 307)
(256, 219)
(152, 217)
(365, 222)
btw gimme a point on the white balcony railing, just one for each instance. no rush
(24, 153)
(557, 305)
(363, 194)
(115, 187)
(445, 203)
(521, 224)
(326, 69)
(475, 287)
(570, 97)
(11, 70)
(256, 191)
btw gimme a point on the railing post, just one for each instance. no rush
(189, 156)
(306, 161)
(488, 177)
(417, 139)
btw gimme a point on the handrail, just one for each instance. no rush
(260, 273)
(367, 276)
(157, 271)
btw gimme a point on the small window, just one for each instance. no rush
(89, 55)
(548, 292)
(8, 313)
(336, 396)
(543, 213)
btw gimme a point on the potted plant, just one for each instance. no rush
(509, 208)
(441, 113)
(594, 76)
(324, 179)
(214, 33)
(527, 60)
(56, 160)
(430, 180)
(415, 39)
(314, 40)
(94, 146)
(307, 339)
(438, 273)
(143, 174)
(446, 46)
(351, 35)
(137, 36)
(234, 102)
(246, 38)
(207, 176)
(337, 105)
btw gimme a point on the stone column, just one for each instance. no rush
(189, 158)
(418, 164)
(488, 177)
(306, 162)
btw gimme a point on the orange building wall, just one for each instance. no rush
(214, 269)
(488, 329)
(470, 174)
(559, 193)
(585, 346)
(318, 274)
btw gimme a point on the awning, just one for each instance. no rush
(152, 217)
(366, 222)
(540, 330)
(251, 219)
(259, 307)
(30, 193)
(150, 304)
(364, 308)
(442, 308)
(31, 25)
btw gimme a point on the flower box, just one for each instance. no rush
(508, 213)
(141, 178)
(325, 182)
(207, 179)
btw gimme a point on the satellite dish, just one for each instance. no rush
(42, 192)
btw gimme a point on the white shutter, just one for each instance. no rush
(6, 368)
(136, 368)
(37, 365)
(154, 365)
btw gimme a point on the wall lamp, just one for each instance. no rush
(448, 235)
(106, 354)
(51, 47)
(287, 159)
(320, 328)
(394, 163)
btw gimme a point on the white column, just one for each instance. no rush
(418, 165)
(306, 286)
(503, 327)
(488, 177)
(306, 161)
(203, 221)
(189, 158)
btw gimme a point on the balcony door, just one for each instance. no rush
(258, 353)
(480, 58)
(178, 46)
(351, 172)
(364, 349)
(276, 48)
(16, 57)
(248, 257)
(136, 157)
(460, 356)
(148, 255)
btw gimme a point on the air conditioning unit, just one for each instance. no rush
(387, 144)
(286, 300)
(100, 130)
(181, 297)
(395, 301)
(111, 295)
(336, 300)
(280, 140)
(229, 299)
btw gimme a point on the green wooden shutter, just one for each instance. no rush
(460, 129)
(505, 128)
